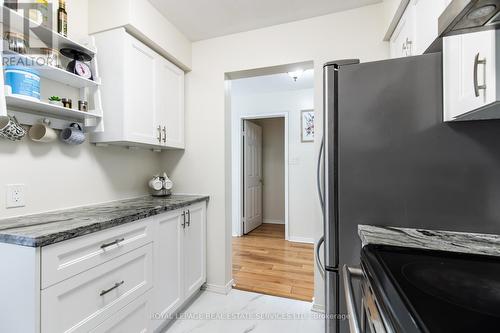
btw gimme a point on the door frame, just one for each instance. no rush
(284, 115)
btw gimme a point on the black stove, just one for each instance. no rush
(434, 291)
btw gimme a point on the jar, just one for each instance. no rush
(83, 106)
(67, 103)
(47, 57)
(16, 42)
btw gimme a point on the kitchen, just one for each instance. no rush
(117, 160)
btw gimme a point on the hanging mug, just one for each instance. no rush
(42, 133)
(73, 135)
(11, 129)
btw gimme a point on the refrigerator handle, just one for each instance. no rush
(321, 268)
(318, 175)
(318, 258)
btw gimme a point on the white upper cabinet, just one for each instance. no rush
(143, 94)
(141, 117)
(403, 38)
(170, 102)
(471, 62)
(417, 27)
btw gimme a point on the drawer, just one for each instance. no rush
(66, 259)
(84, 301)
(134, 318)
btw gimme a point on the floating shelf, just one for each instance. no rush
(46, 35)
(52, 73)
(49, 110)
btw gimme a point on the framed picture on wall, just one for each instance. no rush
(307, 124)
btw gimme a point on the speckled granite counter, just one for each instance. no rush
(53, 227)
(431, 239)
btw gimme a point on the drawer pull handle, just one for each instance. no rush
(104, 292)
(116, 242)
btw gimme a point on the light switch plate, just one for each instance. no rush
(15, 196)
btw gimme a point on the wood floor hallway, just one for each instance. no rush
(265, 263)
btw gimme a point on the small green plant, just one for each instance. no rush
(55, 99)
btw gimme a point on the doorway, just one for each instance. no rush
(272, 165)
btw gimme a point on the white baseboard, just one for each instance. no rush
(271, 221)
(301, 240)
(320, 308)
(218, 289)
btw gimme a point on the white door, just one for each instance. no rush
(252, 179)
(170, 103)
(140, 93)
(469, 62)
(167, 265)
(194, 249)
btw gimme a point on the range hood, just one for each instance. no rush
(464, 16)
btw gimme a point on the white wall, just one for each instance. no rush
(302, 161)
(59, 176)
(205, 165)
(273, 169)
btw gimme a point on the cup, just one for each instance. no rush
(42, 133)
(11, 129)
(73, 135)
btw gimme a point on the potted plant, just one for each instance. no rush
(56, 100)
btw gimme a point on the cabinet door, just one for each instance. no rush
(134, 318)
(459, 61)
(194, 249)
(140, 119)
(427, 14)
(167, 271)
(170, 102)
(403, 39)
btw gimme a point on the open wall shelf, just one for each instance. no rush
(29, 111)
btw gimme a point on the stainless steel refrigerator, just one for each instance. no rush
(389, 159)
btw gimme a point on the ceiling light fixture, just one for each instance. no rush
(295, 75)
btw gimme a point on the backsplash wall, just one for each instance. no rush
(58, 176)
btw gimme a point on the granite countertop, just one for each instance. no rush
(53, 227)
(450, 241)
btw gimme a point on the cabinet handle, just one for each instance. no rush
(189, 218)
(183, 220)
(477, 87)
(104, 292)
(159, 134)
(164, 134)
(116, 242)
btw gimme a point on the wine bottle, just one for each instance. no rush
(62, 19)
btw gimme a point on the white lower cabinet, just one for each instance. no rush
(131, 278)
(194, 249)
(80, 303)
(134, 318)
(180, 260)
(168, 267)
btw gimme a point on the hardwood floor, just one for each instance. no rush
(265, 263)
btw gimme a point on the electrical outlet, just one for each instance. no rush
(15, 196)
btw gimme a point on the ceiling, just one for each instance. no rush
(271, 84)
(203, 19)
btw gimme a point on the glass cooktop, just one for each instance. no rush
(441, 291)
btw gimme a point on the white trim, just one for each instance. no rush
(301, 240)
(239, 222)
(218, 289)
(271, 221)
(320, 308)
